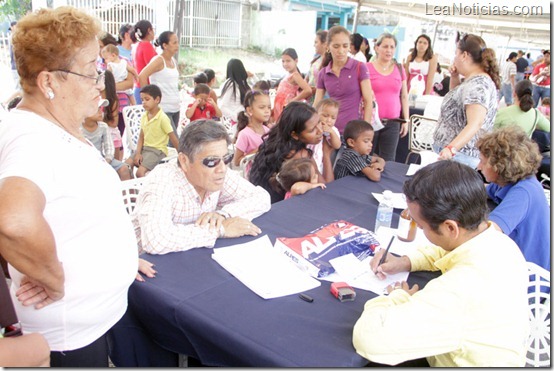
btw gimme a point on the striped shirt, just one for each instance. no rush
(351, 163)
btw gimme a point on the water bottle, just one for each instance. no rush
(384, 212)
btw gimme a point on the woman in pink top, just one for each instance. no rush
(389, 87)
(143, 32)
(251, 126)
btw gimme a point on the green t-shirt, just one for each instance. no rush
(513, 115)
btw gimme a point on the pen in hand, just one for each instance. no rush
(384, 257)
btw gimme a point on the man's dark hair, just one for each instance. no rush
(448, 190)
(152, 90)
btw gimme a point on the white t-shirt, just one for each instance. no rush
(94, 236)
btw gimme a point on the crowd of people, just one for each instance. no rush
(63, 215)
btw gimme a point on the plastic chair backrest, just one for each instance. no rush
(538, 346)
(421, 133)
(129, 191)
(132, 116)
(245, 164)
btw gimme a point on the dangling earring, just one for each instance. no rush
(50, 94)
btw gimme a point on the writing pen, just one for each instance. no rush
(386, 252)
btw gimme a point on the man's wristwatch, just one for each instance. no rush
(452, 150)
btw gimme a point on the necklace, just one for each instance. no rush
(384, 68)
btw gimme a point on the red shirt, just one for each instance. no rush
(145, 52)
(538, 68)
(208, 112)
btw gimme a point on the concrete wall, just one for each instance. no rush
(275, 31)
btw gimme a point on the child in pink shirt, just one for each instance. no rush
(251, 126)
(297, 176)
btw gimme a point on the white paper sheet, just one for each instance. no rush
(427, 157)
(398, 199)
(263, 269)
(363, 278)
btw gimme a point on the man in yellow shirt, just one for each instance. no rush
(476, 312)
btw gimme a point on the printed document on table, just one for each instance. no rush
(263, 269)
(358, 274)
(398, 200)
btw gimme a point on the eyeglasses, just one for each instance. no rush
(213, 161)
(99, 79)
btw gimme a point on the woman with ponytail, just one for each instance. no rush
(469, 108)
(144, 33)
(522, 113)
(345, 79)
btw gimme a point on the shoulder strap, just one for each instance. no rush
(536, 120)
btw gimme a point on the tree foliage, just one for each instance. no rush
(14, 9)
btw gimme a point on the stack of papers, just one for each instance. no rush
(263, 269)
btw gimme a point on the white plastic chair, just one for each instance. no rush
(245, 164)
(538, 347)
(129, 191)
(131, 117)
(421, 130)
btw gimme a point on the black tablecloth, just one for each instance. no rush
(195, 307)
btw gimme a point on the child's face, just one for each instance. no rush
(328, 116)
(260, 110)
(363, 144)
(202, 99)
(109, 57)
(289, 64)
(149, 102)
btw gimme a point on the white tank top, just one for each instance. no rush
(167, 80)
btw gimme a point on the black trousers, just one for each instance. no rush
(93, 355)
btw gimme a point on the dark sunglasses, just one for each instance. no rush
(213, 161)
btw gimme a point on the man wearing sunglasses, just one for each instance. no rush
(191, 202)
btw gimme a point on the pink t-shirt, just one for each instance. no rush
(248, 140)
(386, 89)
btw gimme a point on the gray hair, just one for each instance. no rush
(198, 133)
(384, 36)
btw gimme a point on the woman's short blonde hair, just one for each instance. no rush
(49, 39)
(511, 153)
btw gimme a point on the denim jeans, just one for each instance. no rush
(136, 92)
(462, 158)
(385, 141)
(174, 118)
(506, 92)
(540, 92)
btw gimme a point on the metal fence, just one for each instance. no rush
(212, 23)
(113, 14)
(205, 23)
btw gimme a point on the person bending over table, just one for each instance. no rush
(194, 201)
(509, 161)
(476, 312)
